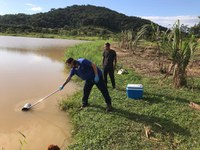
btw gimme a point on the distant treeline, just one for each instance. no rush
(74, 20)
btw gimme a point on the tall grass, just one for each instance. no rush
(91, 50)
(162, 109)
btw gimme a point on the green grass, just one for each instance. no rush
(124, 127)
(91, 50)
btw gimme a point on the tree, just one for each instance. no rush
(196, 30)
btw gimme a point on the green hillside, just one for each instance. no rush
(73, 17)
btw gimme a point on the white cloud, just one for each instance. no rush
(34, 8)
(35, 59)
(28, 4)
(168, 21)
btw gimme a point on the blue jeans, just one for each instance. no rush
(100, 85)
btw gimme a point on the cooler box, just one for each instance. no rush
(134, 91)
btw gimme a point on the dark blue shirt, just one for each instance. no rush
(84, 70)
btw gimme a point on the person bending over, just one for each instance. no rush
(92, 75)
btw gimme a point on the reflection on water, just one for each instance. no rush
(47, 52)
(41, 46)
(30, 69)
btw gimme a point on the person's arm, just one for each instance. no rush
(95, 69)
(102, 61)
(96, 78)
(103, 58)
(67, 80)
(115, 60)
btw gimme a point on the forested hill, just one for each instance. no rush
(74, 17)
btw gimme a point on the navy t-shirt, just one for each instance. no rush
(84, 70)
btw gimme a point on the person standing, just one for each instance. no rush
(92, 75)
(109, 62)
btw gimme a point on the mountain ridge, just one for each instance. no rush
(76, 16)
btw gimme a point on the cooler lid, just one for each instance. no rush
(137, 86)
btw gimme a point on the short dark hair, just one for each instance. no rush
(53, 147)
(107, 44)
(69, 60)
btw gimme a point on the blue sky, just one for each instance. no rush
(163, 12)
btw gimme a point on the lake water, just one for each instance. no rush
(30, 69)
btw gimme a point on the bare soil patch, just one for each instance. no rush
(145, 61)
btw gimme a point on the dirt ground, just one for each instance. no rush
(145, 62)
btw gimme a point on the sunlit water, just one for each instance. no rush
(30, 69)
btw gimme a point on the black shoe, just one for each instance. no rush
(84, 106)
(109, 108)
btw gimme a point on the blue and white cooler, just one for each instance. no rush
(134, 91)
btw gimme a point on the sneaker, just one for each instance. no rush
(109, 108)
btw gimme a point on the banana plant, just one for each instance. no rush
(181, 51)
(174, 44)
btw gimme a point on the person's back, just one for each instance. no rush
(85, 69)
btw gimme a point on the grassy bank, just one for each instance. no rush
(91, 50)
(163, 110)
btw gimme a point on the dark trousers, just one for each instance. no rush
(100, 85)
(110, 71)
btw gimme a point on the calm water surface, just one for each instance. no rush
(30, 69)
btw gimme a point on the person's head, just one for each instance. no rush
(71, 62)
(53, 147)
(107, 46)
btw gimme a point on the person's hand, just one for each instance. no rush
(102, 70)
(61, 87)
(96, 79)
